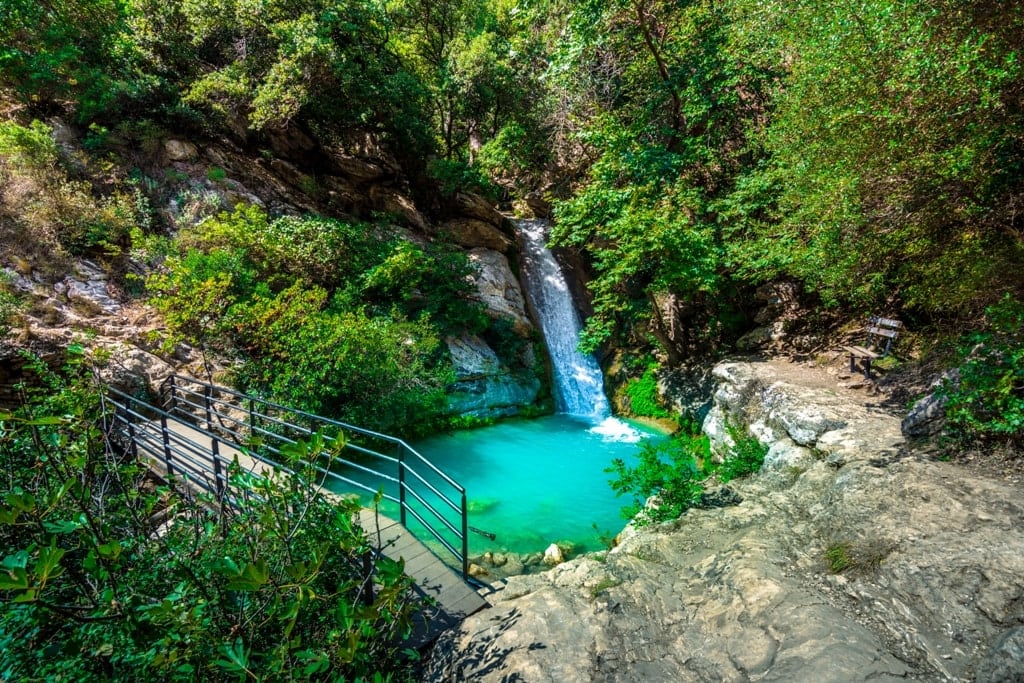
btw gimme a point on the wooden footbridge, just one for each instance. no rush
(199, 430)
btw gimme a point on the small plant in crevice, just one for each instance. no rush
(837, 557)
(643, 395)
(856, 556)
(746, 456)
(603, 585)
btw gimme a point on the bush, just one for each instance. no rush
(10, 303)
(745, 457)
(454, 176)
(987, 402)
(643, 395)
(671, 470)
(55, 213)
(97, 586)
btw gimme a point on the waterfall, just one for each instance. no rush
(578, 382)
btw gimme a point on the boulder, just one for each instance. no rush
(391, 201)
(553, 555)
(134, 371)
(498, 288)
(688, 390)
(473, 233)
(475, 206)
(179, 150)
(290, 142)
(359, 170)
(927, 417)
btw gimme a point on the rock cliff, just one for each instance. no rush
(851, 558)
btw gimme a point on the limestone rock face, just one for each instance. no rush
(179, 150)
(391, 201)
(475, 206)
(473, 233)
(484, 386)
(931, 590)
(498, 288)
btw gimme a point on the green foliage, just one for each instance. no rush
(674, 472)
(643, 395)
(670, 470)
(891, 141)
(334, 317)
(46, 206)
(667, 144)
(68, 50)
(745, 457)
(431, 283)
(10, 304)
(986, 401)
(837, 557)
(453, 176)
(107, 574)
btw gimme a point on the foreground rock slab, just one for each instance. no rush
(849, 559)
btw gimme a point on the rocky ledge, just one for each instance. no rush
(851, 558)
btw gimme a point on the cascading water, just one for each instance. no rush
(578, 382)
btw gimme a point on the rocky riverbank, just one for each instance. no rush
(852, 557)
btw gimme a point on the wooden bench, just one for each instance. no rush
(882, 332)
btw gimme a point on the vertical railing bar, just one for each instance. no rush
(465, 538)
(172, 383)
(165, 434)
(401, 484)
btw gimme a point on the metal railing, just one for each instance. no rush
(222, 422)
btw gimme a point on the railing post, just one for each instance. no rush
(367, 579)
(218, 480)
(465, 538)
(208, 401)
(401, 484)
(252, 419)
(172, 385)
(166, 435)
(218, 485)
(131, 432)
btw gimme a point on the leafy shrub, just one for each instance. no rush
(671, 470)
(643, 395)
(987, 401)
(52, 210)
(10, 303)
(745, 457)
(454, 176)
(96, 586)
(431, 283)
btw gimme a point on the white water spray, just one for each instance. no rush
(578, 383)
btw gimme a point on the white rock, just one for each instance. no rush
(553, 555)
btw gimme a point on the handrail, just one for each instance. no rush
(242, 421)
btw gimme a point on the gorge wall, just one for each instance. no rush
(932, 587)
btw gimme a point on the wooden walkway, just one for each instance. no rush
(453, 599)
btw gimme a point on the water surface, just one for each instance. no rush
(539, 481)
